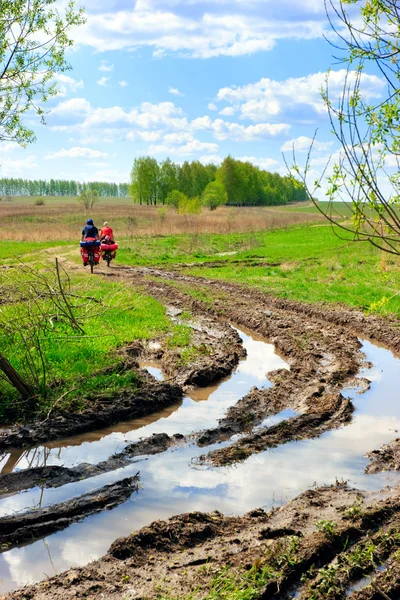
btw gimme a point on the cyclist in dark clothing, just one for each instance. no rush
(90, 231)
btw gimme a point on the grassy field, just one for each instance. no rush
(63, 219)
(303, 262)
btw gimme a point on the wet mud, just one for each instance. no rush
(322, 349)
(151, 397)
(217, 349)
(39, 522)
(185, 554)
(336, 411)
(386, 458)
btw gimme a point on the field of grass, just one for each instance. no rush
(112, 315)
(63, 219)
(303, 262)
(307, 263)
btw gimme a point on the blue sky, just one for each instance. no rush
(189, 79)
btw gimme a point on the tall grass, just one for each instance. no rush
(63, 222)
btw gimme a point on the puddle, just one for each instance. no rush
(172, 485)
(365, 581)
(156, 372)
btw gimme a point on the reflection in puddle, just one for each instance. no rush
(364, 582)
(155, 371)
(171, 485)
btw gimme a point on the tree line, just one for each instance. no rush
(234, 183)
(59, 187)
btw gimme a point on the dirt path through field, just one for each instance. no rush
(319, 386)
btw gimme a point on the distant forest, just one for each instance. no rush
(236, 183)
(60, 187)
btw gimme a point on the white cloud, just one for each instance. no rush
(268, 164)
(103, 81)
(77, 152)
(9, 146)
(105, 66)
(217, 28)
(67, 84)
(298, 97)
(123, 83)
(175, 92)
(73, 107)
(223, 130)
(228, 111)
(212, 106)
(190, 148)
(18, 167)
(211, 158)
(303, 144)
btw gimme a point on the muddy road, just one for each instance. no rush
(287, 394)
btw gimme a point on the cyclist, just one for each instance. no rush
(106, 231)
(90, 231)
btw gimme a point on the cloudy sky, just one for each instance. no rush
(189, 79)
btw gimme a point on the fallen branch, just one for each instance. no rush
(381, 592)
(56, 402)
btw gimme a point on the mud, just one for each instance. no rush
(324, 357)
(322, 347)
(183, 555)
(217, 351)
(149, 398)
(39, 522)
(336, 411)
(56, 476)
(386, 458)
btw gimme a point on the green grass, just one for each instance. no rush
(18, 251)
(125, 315)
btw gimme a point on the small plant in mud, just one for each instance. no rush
(328, 528)
(355, 511)
(284, 553)
(180, 336)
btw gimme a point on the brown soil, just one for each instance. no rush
(37, 523)
(184, 555)
(323, 350)
(336, 411)
(217, 351)
(149, 398)
(386, 458)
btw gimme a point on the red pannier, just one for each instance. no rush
(90, 243)
(109, 245)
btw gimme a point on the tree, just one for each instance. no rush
(214, 195)
(365, 176)
(144, 180)
(176, 198)
(34, 37)
(88, 198)
(168, 179)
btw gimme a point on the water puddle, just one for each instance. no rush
(364, 581)
(172, 485)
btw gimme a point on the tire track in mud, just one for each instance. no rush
(324, 356)
(323, 359)
(293, 545)
(38, 522)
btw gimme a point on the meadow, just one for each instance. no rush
(285, 254)
(62, 218)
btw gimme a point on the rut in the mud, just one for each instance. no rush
(56, 476)
(386, 458)
(219, 351)
(324, 356)
(150, 397)
(39, 522)
(294, 545)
